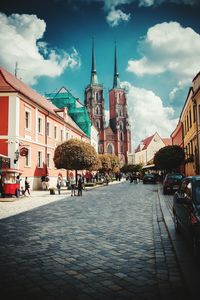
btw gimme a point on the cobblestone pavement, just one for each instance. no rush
(110, 244)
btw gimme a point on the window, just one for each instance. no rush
(28, 120)
(48, 129)
(55, 132)
(39, 125)
(61, 135)
(100, 149)
(190, 118)
(110, 149)
(98, 124)
(121, 126)
(121, 136)
(39, 159)
(194, 113)
(48, 160)
(27, 159)
(67, 136)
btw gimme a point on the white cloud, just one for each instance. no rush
(20, 40)
(180, 86)
(147, 113)
(116, 16)
(110, 4)
(169, 47)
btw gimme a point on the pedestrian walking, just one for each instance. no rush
(47, 182)
(59, 183)
(80, 185)
(43, 182)
(27, 186)
(72, 182)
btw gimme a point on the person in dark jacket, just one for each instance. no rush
(80, 185)
(27, 186)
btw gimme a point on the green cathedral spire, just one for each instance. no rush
(116, 80)
(94, 79)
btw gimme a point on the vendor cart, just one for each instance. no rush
(10, 181)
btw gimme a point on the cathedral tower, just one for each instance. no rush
(119, 122)
(94, 101)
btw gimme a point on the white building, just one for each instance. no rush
(147, 148)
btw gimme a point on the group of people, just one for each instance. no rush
(80, 185)
(134, 177)
(72, 184)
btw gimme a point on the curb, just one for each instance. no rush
(189, 269)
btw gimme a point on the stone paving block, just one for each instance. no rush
(109, 245)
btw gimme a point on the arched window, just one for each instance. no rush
(97, 110)
(121, 126)
(98, 124)
(110, 149)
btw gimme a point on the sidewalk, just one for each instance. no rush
(12, 206)
(190, 269)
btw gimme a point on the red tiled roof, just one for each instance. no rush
(145, 143)
(9, 83)
(167, 141)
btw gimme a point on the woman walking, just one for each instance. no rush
(59, 182)
(73, 185)
(27, 186)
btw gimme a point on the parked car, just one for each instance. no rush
(149, 178)
(172, 182)
(186, 211)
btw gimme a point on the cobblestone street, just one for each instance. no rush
(111, 243)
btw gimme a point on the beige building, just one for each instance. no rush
(147, 148)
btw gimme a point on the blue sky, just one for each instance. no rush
(158, 45)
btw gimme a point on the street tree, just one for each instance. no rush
(129, 168)
(169, 158)
(114, 161)
(105, 163)
(76, 155)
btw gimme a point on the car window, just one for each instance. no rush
(175, 176)
(186, 189)
(197, 192)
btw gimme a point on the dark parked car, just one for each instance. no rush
(149, 178)
(186, 210)
(172, 182)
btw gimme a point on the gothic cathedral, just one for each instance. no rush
(116, 137)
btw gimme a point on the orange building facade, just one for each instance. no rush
(30, 121)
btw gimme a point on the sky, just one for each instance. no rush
(158, 52)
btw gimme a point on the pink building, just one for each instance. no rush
(30, 121)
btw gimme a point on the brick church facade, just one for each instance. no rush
(116, 137)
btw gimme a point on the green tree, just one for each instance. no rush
(114, 161)
(131, 168)
(75, 155)
(169, 158)
(105, 163)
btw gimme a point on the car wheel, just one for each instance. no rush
(176, 224)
